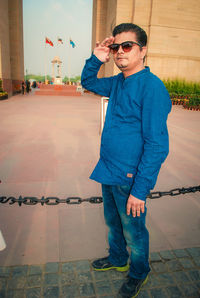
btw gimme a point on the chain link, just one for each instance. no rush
(52, 201)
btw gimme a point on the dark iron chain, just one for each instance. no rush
(48, 200)
(173, 192)
(93, 200)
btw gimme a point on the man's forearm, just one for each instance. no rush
(89, 78)
(90, 71)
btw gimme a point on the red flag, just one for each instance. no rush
(49, 41)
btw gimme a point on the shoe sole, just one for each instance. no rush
(120, 269)
(144, 282)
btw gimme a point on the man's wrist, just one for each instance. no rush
(138, 196)
(96, 59)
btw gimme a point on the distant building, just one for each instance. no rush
(173, 29)
(11, 45)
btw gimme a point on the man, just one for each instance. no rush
(134, 144)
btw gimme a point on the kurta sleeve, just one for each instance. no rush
(155, 108)
(89, 78)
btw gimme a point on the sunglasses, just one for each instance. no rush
(126, 46)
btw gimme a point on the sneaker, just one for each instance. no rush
(104, 265)
(131, 287)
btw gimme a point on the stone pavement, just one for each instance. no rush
(49, 146)
(174, 274)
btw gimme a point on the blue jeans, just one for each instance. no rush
(125, 231)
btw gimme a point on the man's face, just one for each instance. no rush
(129, 62)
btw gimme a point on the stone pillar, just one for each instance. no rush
(11, 45)
(15, 12)
(99, 25)
(5, 70)
(173, 29)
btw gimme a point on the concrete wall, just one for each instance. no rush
(11, 45)
(173, 29)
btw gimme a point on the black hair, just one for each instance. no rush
(141, 35)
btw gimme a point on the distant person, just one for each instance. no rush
(23, 87)
(134, 144)
(27, 86)
(34, 84)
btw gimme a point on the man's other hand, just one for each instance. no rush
(101, 51)
(135, 206)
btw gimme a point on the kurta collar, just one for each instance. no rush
(137, 74)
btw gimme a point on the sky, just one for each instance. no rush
(52, 19)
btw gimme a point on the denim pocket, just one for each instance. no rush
(124, 190)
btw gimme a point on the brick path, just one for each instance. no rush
(175, 273)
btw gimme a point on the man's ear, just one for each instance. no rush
(143, 52)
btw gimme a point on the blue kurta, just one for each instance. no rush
(134, 140)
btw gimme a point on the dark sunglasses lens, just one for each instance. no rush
(127, 46)
(114, 48)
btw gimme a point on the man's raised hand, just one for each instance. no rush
(101, 51)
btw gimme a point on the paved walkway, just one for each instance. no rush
(175, 273)
(49, 146)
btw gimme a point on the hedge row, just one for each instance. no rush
(185, 93)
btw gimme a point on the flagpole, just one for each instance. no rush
(59, 55)
(45, 63)
(69, 65)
